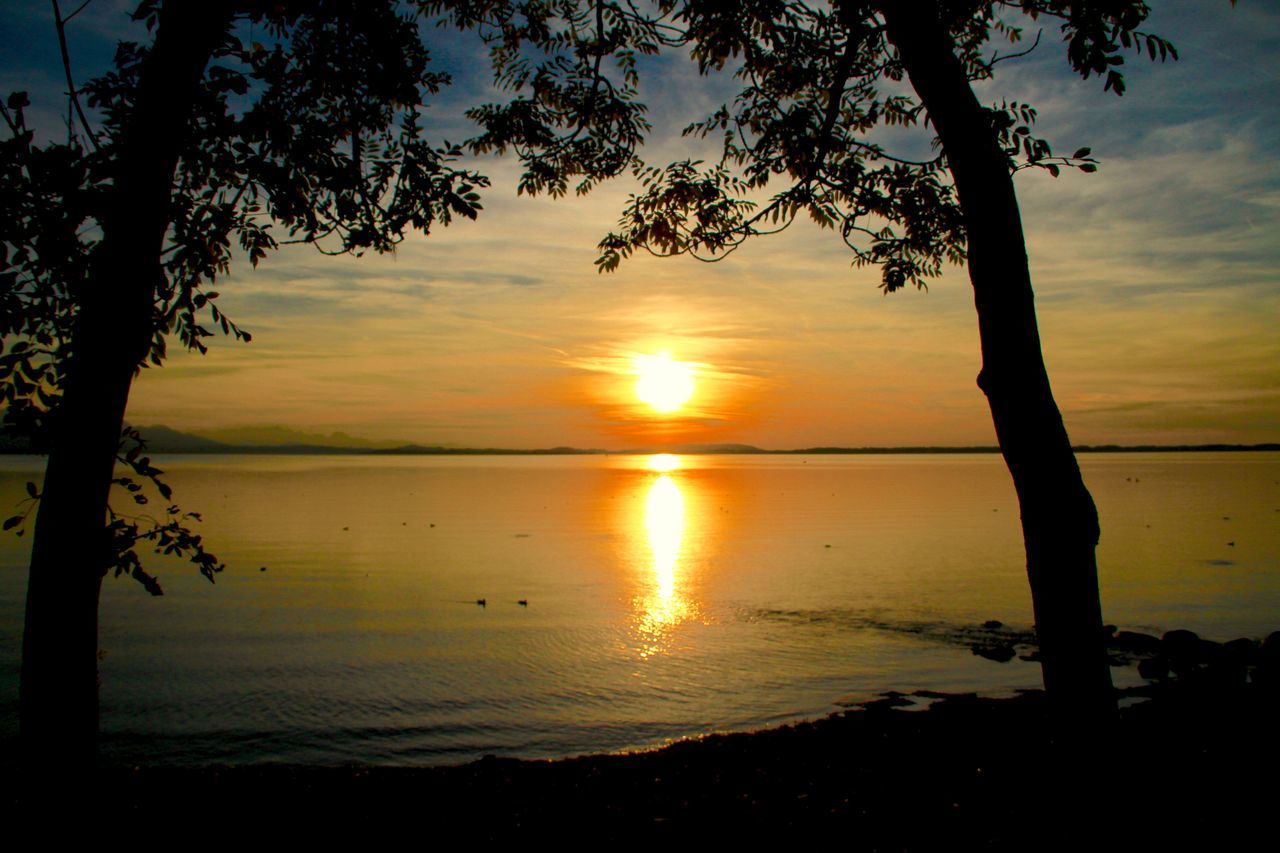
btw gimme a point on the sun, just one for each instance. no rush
(665, 384)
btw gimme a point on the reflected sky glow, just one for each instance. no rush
(662, 603)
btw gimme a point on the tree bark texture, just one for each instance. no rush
(114, 326)
(1059, 519)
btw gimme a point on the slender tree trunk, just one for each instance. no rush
(1059, 520)
(114, 326)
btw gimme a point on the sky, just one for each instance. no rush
(1157, 281)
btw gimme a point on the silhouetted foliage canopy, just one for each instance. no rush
(817, 128)
(306, 127)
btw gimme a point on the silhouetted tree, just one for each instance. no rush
(819, 82)
(211, 143)
(824, 85)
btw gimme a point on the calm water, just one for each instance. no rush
(725, 593)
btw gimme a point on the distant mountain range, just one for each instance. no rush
(281, 440)
(285, 441)
(162, 439)
(276, 436)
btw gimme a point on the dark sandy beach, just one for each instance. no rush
(1189, 767)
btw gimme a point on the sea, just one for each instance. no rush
(429, 610)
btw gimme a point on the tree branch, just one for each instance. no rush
(78, 10)
(60, 23)
(998, 58)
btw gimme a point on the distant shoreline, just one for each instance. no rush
(164, 440)
(163, 448)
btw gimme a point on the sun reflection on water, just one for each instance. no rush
(663, 462)
(662, 604)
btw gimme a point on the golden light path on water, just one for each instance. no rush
(663, 603)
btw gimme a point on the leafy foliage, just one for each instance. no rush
(822, 102)
(573, 117)
(306, 128)
(46, 198)
(317, 132)
(170, 534)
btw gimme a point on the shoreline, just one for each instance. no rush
(160, 448)
(964, 771)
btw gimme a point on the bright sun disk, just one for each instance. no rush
(665, 384)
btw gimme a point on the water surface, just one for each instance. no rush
(665, 598)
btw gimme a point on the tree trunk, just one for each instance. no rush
(114, 326)
(1059, 520)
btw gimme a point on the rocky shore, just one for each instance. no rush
(1190, 764)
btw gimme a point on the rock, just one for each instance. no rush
(1132, 641)
(1181, 645)
(993, 624)
(1268, 672)
(1000, 654)
(1213, 653)
(1270, 650)
(1243, 650)
(887, 702)
(1154, 669)
(1218, 676)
